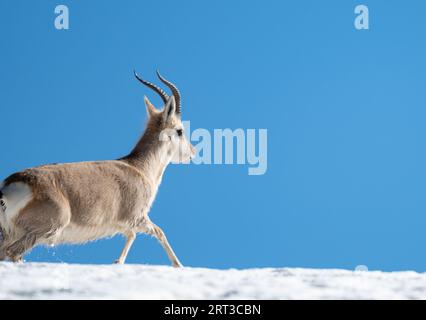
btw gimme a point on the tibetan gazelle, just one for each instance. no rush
(85, 201)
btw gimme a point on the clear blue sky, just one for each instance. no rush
(345, 112)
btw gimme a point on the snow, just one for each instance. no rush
(70, 281)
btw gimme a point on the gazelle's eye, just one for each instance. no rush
(179, 132)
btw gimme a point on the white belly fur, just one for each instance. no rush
(78, 234)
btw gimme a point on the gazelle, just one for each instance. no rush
(85, 201)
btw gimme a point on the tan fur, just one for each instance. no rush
(80, 202)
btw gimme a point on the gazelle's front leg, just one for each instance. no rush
(2, 254)
(130, 238)
(154, 230)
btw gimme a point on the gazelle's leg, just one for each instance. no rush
(130, 238)
(17, 249)
(2, 254)
(154, 230)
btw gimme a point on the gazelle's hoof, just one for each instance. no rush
(118, 261)
(17, 260)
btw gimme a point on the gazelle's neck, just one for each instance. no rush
(149, 156)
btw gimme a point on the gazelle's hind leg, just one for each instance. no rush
(2, 253)
(130, 238)
(39, 220)
(152, 229)
(16, 249)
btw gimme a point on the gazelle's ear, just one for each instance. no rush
(169, 109)
(149, 106)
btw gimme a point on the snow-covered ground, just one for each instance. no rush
(65, 281)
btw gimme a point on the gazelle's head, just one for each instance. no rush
(165, 126)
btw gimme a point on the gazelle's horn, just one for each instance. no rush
(164, 96)
(174, 90)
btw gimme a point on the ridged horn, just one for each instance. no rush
(174, 90)
(164, 96)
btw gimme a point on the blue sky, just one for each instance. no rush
(344, 109)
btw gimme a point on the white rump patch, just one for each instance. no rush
(16, 196)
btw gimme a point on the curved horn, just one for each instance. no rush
(164, 96)
(174, 90)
